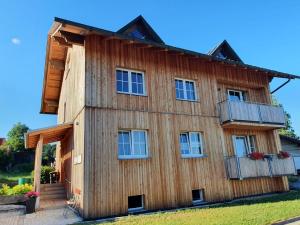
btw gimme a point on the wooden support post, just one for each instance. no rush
(37, 167)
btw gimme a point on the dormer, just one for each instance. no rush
(225, 51)
(140, 29)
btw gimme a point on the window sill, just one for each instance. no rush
(188, 100)
(194, 156)
(199, 202)
(132, 157)
(132, 94)
(136, 210)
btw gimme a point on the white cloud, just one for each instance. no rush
(16, 41)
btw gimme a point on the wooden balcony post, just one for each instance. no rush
(37, 167)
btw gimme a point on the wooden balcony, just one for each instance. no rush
(237, 114)
(243, 167)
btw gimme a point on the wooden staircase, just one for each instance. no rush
(52, 191)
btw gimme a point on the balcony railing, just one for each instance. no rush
(244, 167)
(253, 113)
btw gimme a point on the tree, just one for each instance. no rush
(15, 138)
(288, 130)
(48, 154)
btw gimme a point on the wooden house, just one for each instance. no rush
(292, 146)
(146, 126)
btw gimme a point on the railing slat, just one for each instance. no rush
(248, 168)
(251, 112)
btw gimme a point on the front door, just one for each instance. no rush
(240, 143)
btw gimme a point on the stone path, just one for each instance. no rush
(45, 216)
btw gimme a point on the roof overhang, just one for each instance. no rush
(50, 134)
(65, 33)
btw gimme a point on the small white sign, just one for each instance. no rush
(77, 159)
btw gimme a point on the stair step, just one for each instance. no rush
(52, 189)
(52, 185)
(53, 196)
(53, 192)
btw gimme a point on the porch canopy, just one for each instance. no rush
(35, 139)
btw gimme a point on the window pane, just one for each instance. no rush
(179, 89)
(122, 81)
(137, 83)
(139, 142)
(184, 144)
(236, 95)
(124, 143)
(241, 146)
(195, 143)
(190, 90)
(134, 88)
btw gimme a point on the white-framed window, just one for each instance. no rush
(191, 144)
(132, 144)
(198, 196)
(185, 89)
(236, 95)
(244, 145)
(130, 82)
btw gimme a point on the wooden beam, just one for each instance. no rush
(72, 38)
(62, 41)
(57, 64)
(51, 103)
(37, 167)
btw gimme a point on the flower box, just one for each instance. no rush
(256, 156)
(283, 155)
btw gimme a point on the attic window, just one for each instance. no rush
(221, 55)
(137, 34)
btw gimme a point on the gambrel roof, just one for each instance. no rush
(225, 51)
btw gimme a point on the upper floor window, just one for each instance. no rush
(191, 144)
(244, 145)
(130, 82)
(236, 95)
(185, 89)
(132, 144)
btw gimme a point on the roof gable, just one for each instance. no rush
(140, 29)
(225, 51)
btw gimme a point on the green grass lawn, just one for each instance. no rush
(12, 178)
(265, 210)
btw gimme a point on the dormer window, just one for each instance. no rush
(221, 55)
(137, 34)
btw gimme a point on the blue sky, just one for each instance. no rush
(263, 33)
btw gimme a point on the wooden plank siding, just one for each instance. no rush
(165, 179)
(71, 109)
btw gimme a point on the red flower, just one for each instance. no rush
(32, 194)
(256, 155)
(283, 155)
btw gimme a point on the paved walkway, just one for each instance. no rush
(51, 213)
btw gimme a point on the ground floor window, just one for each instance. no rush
(198, 196)
(191, 144)
(132, 144)
(135, 203)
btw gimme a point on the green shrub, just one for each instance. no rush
(45, 174)
(16, 190)
(5, 190)
(21, 189)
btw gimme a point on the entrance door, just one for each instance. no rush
(240, 143)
